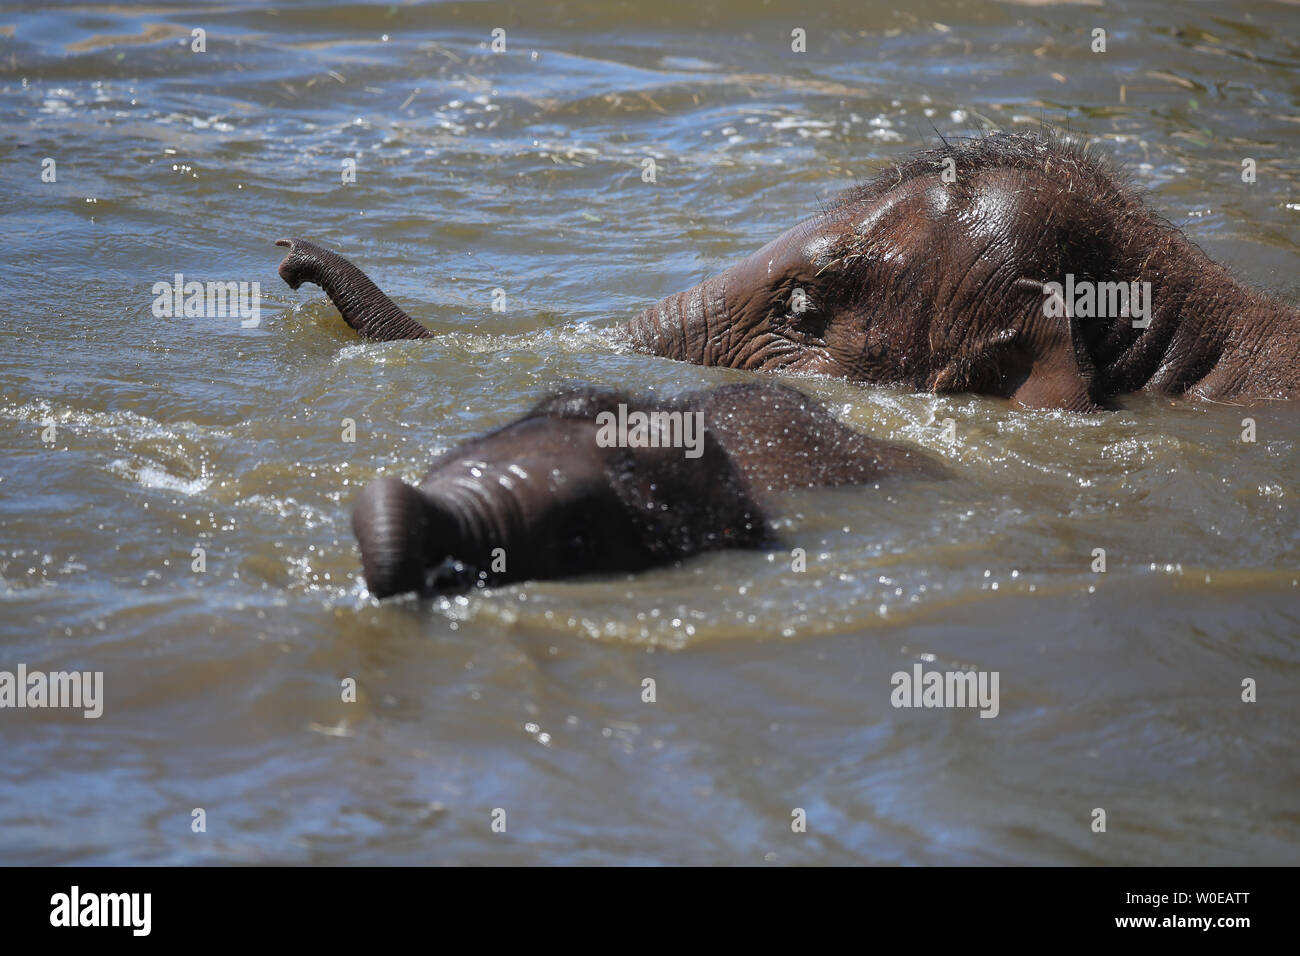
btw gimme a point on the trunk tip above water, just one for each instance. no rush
(402, 535)
(294, 266)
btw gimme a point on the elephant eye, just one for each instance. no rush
(798, 301)
(804, 314)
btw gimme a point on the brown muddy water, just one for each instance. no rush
(523, 171)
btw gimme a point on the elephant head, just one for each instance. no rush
(946, 274)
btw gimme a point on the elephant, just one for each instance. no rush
(592, 480)
(1011, 265)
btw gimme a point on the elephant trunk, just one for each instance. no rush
(360, 302)
(407, 540)
(691, 326)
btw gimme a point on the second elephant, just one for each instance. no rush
(592, 480)
(946, 274)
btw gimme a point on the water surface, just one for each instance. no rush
(522, 171)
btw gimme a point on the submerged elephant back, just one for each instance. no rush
(779, 439)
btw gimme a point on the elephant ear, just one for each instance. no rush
(984, 366)
(1052, 383)
(1061, 373)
